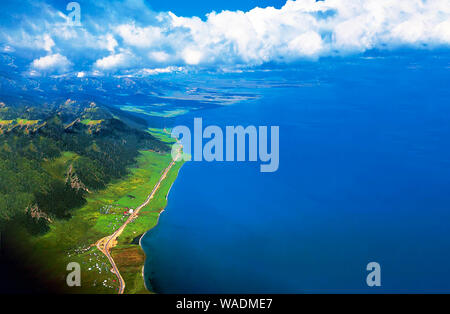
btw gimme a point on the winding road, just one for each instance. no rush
(107, 243)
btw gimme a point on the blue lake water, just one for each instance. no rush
(364, 176)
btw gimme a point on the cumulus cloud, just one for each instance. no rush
(48, 43)
(192, 56)
(307, 44)
(170, 69)
(306, 28)
(115, 61)
(159, 56)
(130, 35)
(109, 42)
(51, 62)
(139, 36)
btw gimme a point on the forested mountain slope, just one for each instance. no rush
(51, 155)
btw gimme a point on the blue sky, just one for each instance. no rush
(194, 7)
(202, 7)
(147, 36)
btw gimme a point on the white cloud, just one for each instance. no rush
(306, 28)
(159, 56)
(114, 61)
(109, 42)
(48, 43)
(306, 44)
(192, 56)
(51, 62)
(139, 36)
(156, 71)
(8, 48)
(299, 29)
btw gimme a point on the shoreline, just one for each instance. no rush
(130, 257)
(153, 227)
(136, 255)
(145, 255)
(157, 222)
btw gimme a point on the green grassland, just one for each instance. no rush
(27, 122)
(162, 135)
(91, 122)
(73, 239)
(6, 122)
(7, 125)
(163, 113)
(148, 218)
(19, 122)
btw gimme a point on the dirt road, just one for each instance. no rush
(107, 243)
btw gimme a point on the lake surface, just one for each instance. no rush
(364, 176)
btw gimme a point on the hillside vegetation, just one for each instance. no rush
(53, 155)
